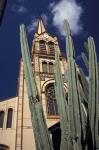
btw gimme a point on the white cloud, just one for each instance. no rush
(45, 18)
(66, 9)
(34, 22)
(51, 5)
(32, 26)
(19, 9)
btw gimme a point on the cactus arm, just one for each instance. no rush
(93, 93)
(41, 134)
(85, 85)
(34, 124)
(83, 113)
(62, 105)
(86, 47)
(75, 123)
(85, 60)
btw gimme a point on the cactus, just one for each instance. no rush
(86, 47)
(42, 138)
(62, 106)
(73, 96)
(93, 105)
(84, 84)
(90, 96)
(79, 115)
(85, 60)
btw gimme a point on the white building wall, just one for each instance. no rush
(8, 135)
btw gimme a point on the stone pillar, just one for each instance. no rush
(19, 126)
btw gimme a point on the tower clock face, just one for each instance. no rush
(45, 36)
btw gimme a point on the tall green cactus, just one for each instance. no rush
(84, 84)
(93, 105)
(77, 112)
(62, 106)
(42, 138)
(73, 96)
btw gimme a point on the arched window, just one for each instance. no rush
(51, 47)
(1, 118)
(42, 45)
(44, 67)
(9, 118)
(51, 67)
(52, 109)
(3, 147)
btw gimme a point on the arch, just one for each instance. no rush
(52, 109)
(44, 67)
(51, 81)
(51, 67)
(1, 118)
(9, 118)
(42, 46)
(51, 47)
(4, 147)
(46, 83)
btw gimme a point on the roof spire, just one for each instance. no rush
(41, 27)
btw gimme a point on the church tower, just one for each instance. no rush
(20, 129)
(43, 58)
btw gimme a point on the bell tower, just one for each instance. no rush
(43, 59)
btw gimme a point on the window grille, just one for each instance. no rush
(52, 109)
(51, 67)
(44, 67)
(42, 45)
(51, 47)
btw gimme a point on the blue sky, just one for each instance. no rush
(83, 19)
